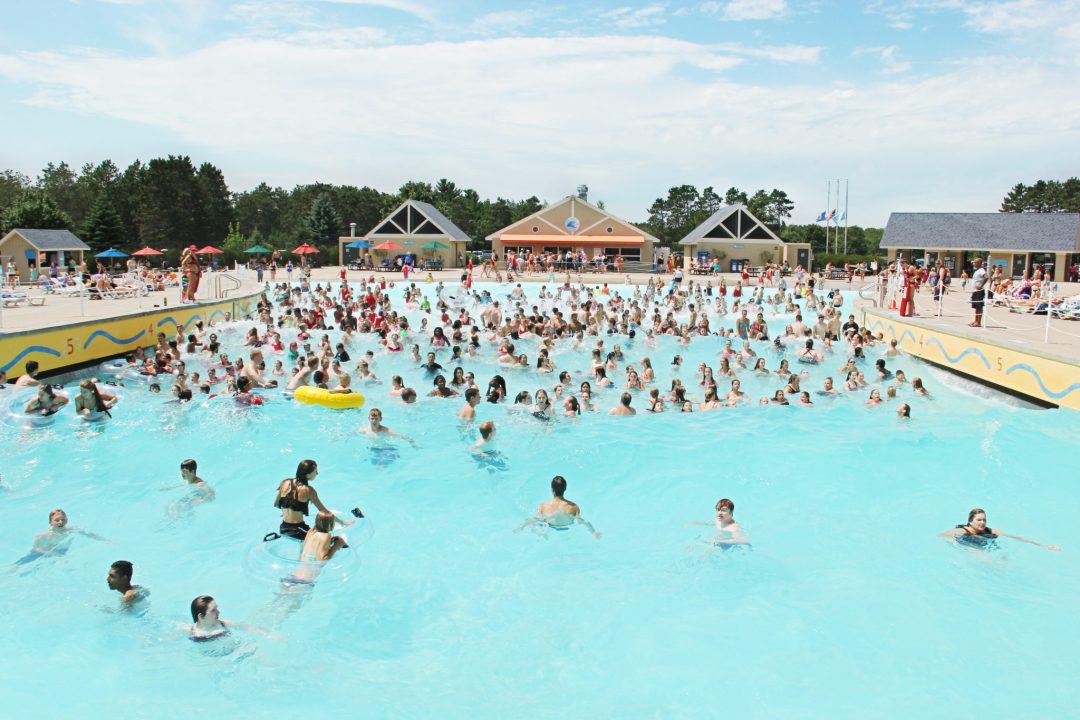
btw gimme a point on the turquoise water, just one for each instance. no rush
(847, 602)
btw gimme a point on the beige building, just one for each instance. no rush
(736, 237)
(575, 224)
(1015, 242)
(412, 225)
(42, 247)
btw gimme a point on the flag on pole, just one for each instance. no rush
(821, 217)
(842, 218)
(831, 215)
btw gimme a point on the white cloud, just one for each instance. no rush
(409, 7)
(746, 9)
(627, 17)
(890, 62)
(504, 22)
(614, 111)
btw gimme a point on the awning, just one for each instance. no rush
(573, 240)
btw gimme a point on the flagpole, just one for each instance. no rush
(847, 194)
(828, 200)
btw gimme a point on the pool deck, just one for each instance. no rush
(69, 331)
(1011, 351)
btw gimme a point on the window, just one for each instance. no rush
(629, 254)
(610, 229)
(536, 229)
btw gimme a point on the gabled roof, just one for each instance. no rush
(417, 219)
(1032, 232)
(732, 223)
(550, 220)
(50, 240)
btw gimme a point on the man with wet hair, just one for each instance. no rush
(559, 513)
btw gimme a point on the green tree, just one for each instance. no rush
(235, 244)
(34, 209)
(169, 203)
(125, 195)
(214, 209)
(103, 228)
(60, 181)
(735, 196)
(324, 225)
(1044, 196)
(262, 208)
(12, 185)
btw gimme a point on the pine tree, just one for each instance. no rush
(103, 228)
(324, 225)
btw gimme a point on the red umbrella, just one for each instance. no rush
(147, 251)
(388, 246)
(305, 249)
(209, 250)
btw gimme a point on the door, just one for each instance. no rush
(803, 258)
(1019, 265)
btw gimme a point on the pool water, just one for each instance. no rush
(847, 603)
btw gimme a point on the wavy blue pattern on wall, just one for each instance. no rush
(1035, 374)
(111, 338)
(170, 319)
(958, 358)
(27, 351)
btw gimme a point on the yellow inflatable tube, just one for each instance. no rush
(317, 396)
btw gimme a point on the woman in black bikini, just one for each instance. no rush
(293, 496)
(977, 535)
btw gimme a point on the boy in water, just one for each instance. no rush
(559, 513)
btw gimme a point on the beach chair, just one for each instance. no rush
(14, 299)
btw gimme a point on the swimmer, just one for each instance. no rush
(623, 408)
(91, 402)
(119, 579)
(208, 623)
(46, 402)
(293, 496)
(319, 546)
(30, 378)
(728, 532)
(976, 534)
(377, 429)
(56, 540)
(201, 492)
(558, 513)
(472, 399)
(487, 436)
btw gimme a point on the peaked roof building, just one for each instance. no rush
(737, 237)
(412, 226)
(576, 225)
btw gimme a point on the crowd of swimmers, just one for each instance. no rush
(464, 325)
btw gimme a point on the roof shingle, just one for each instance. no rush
(1031, 232)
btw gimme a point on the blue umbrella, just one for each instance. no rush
(111, 253)
(359, 245)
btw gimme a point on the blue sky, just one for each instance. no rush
(922, 105)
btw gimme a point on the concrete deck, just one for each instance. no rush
(67, 310)
(1018, 331)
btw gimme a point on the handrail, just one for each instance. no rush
(218, 291)
(876, 286)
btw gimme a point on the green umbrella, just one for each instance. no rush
(256, 250)
(435, 245)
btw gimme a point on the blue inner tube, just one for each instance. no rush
(14, 410)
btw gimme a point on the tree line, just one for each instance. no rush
(170, 202)
(1044, 196)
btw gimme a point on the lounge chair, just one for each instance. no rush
(14, 299)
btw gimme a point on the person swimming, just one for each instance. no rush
(56, 540)
(978, 535)
(558, 513)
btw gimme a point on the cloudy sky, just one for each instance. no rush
(922, 105)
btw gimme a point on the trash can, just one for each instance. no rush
(736, 266)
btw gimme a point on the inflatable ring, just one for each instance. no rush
(455, 298)
(276, 559)
(114, 367)
(317, 396)
(14, 410)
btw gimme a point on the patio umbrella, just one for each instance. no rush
(305, 249)
(256, 250)
(209, 250)
(435, 245)
(359, 245)
(148, 251)
(388, 246)
(111, 253)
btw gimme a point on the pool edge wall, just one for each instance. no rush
(59, 347)
(1042, 378)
